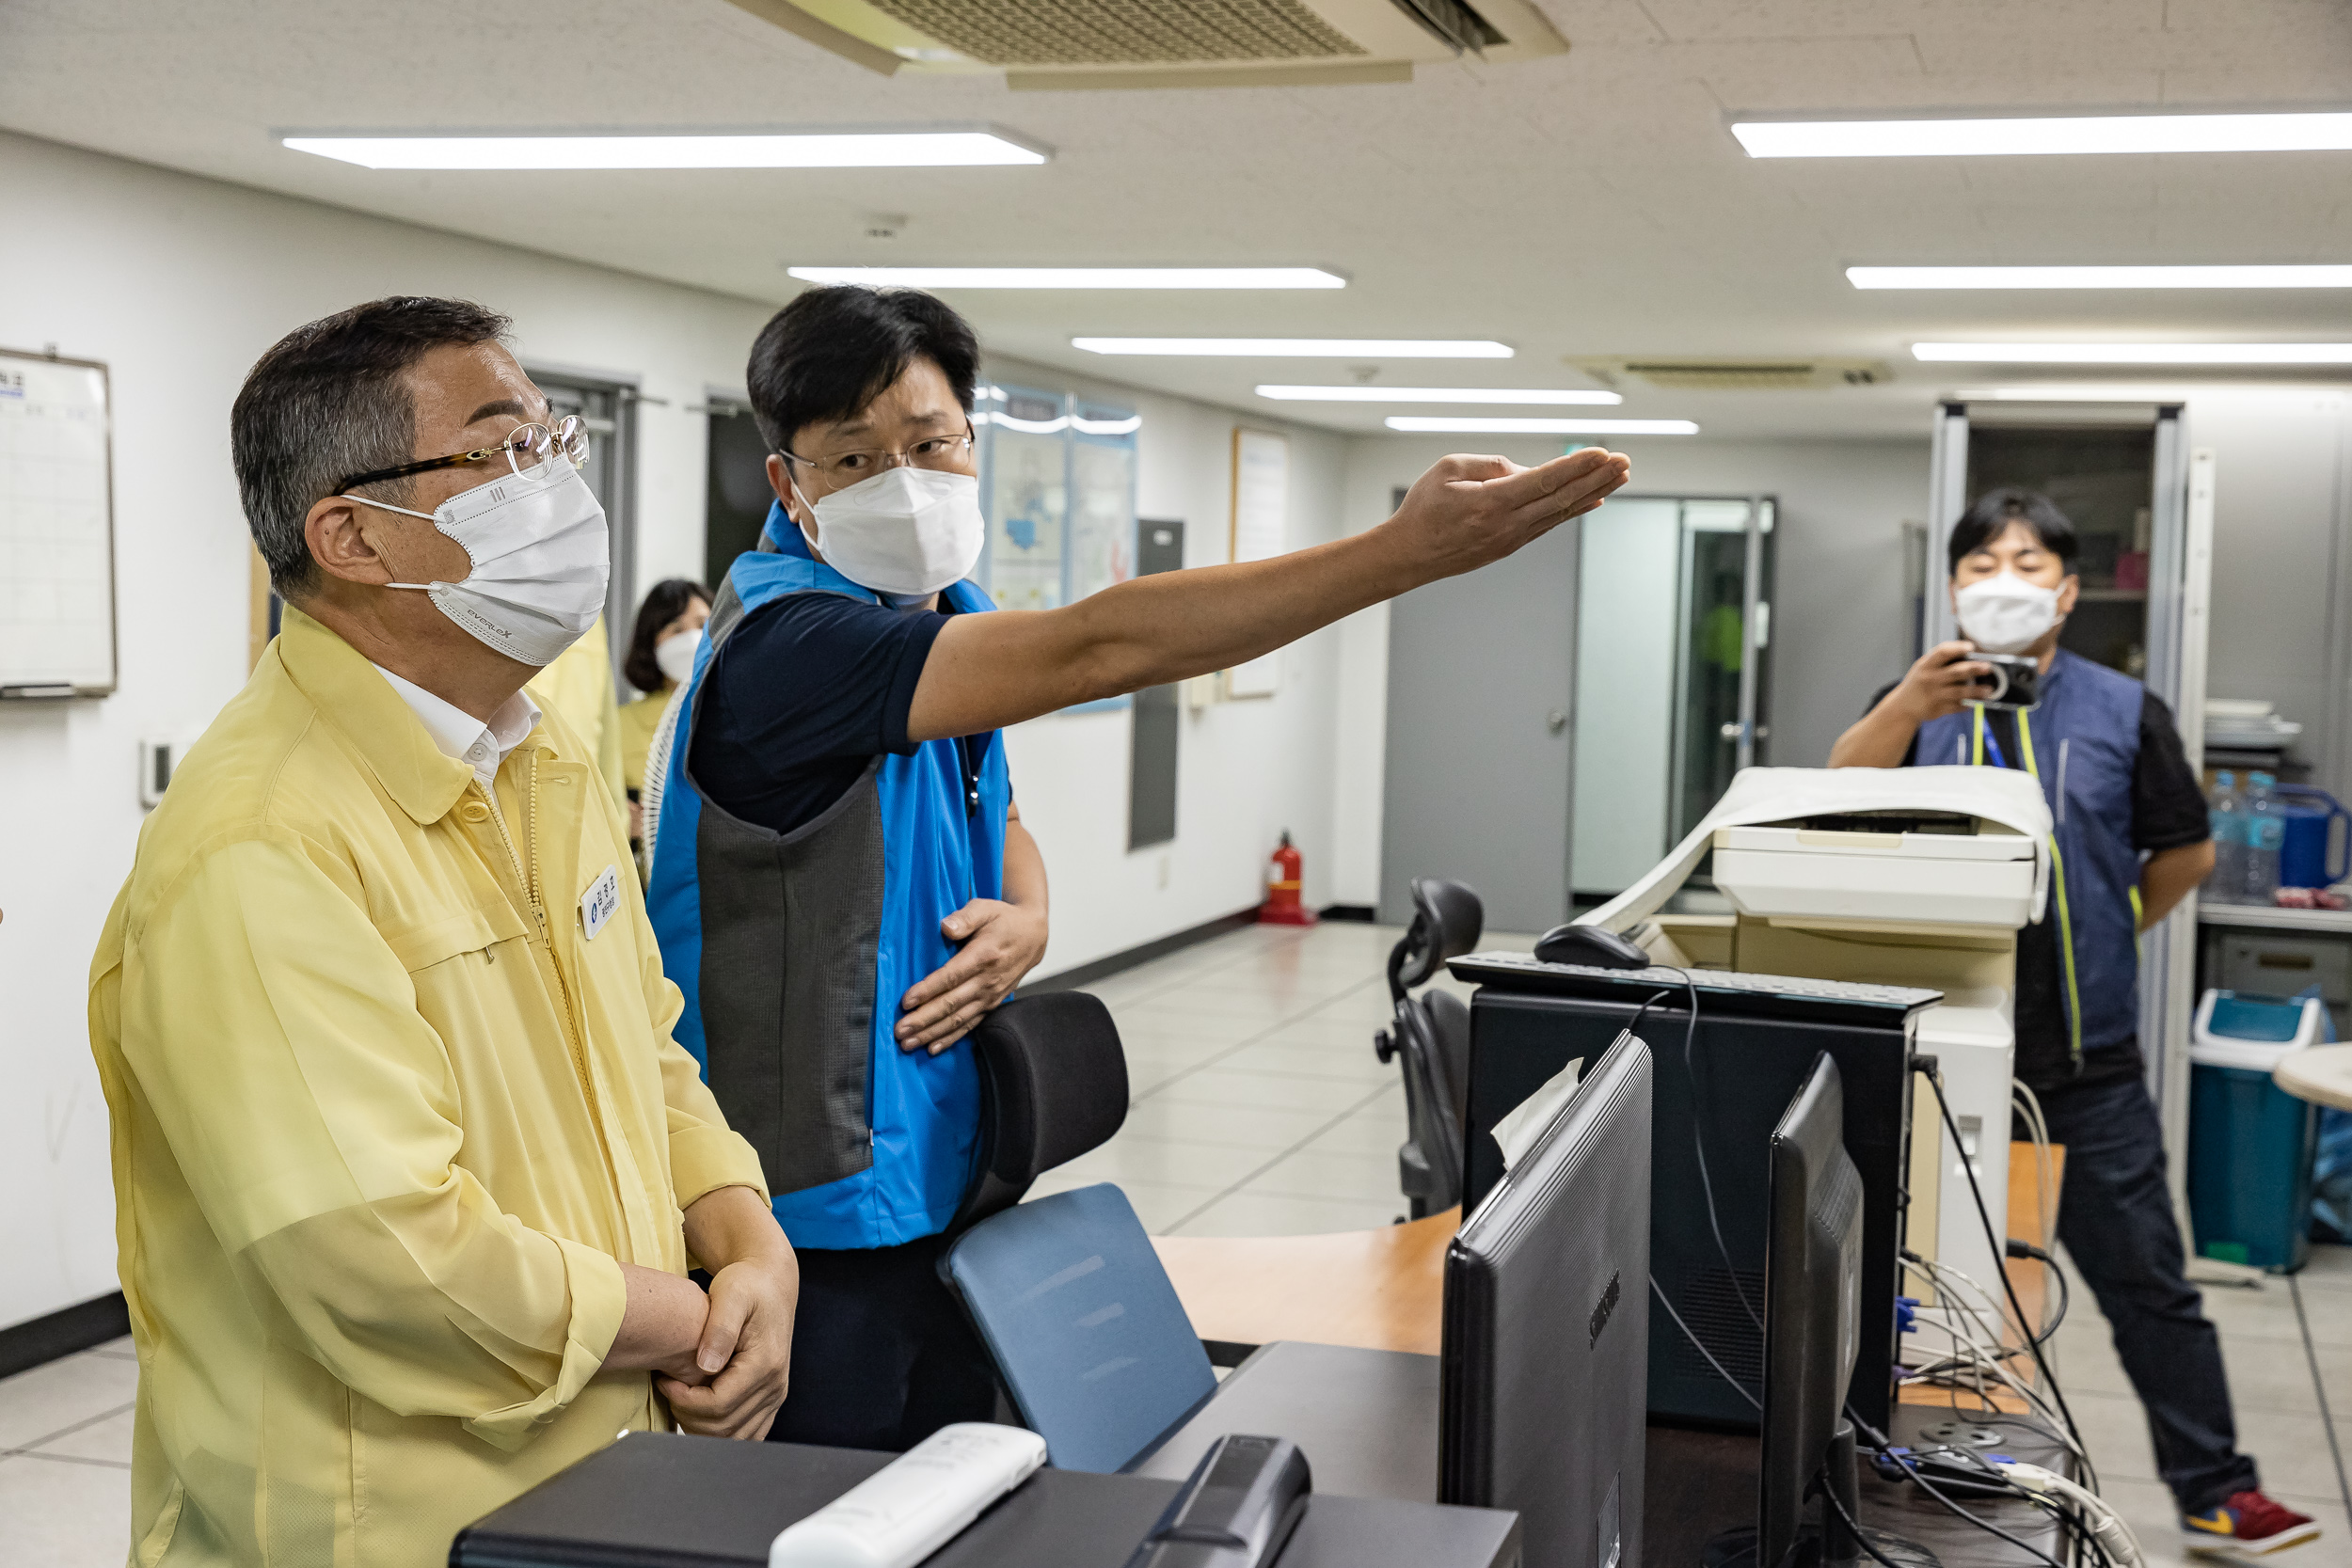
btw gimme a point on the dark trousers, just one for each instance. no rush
(882, 1356)
(2114, 1217)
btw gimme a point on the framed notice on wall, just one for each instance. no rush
(57, 529)
(1262, 484)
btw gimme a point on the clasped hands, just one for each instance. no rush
(723, 1360)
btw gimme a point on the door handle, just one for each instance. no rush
(1555, 721)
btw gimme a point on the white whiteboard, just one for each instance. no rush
(1262, 483)
(57, 529)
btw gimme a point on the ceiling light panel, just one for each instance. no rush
(2102, 278)
(2021, 138)
(1077, 278)
(1445, 424)
(782, 150)
(1501, 395)
(1304, 348)
(2134, 353)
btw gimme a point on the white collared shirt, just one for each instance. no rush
(460, 734)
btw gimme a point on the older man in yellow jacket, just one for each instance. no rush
(408, 1170)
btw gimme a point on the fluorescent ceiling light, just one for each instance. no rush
(782, 150)
(1077, 278)
(2102, 278)
(1988, 136)
(1447, 424)
(2135, 354)
(1304, 348)
(1433, 394)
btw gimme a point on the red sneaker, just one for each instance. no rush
(2249, 1525)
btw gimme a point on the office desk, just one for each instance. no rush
(653, 1500)
(1700, 1483)
(1366, 1419)
(1378, 1290)
(1385, 1290)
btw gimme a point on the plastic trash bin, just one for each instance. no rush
(2250, 1144)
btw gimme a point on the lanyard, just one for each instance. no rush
(1984, 737)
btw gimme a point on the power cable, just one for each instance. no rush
(1968, 1167)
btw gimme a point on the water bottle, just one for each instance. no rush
(2266, 835)
(2227, 882)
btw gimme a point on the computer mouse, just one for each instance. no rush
(1589, 945)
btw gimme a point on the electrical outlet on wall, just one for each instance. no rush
(1163, 873)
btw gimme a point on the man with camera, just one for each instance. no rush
(2129, 842)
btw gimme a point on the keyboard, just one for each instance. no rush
(1753, 995)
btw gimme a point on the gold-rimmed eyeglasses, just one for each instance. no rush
(950, 452)
(525, 448)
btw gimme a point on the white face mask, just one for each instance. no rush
(2006, 614)
(675, 655)
(906, 532)
(540, 556)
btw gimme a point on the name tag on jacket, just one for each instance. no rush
(598, 904)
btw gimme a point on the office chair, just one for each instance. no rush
(1430, 1036)
(1083, 1324)
(1053, 1087)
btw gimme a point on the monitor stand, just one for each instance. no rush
(1830, 1545)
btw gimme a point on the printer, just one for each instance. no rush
(1914, 877)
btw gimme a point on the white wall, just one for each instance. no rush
(1246, 770)
(1838, 617)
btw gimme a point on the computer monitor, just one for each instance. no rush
(1813, 1291)
(1812, 1303)
(1543, 1378)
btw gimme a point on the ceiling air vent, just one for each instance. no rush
(1718, 373)
(1165, 43)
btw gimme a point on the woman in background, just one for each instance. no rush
(660, 655)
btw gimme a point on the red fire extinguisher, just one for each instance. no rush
(1281, 906)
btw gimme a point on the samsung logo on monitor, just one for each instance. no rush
(1607, 1304)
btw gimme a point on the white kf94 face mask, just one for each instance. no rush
(674, 655)
(540, 556)
(906, 532)
(2006, 614)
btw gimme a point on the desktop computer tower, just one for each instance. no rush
(1751, 1056)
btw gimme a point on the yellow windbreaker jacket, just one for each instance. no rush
(384, 1117)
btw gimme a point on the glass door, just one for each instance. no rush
(1724, 616)
(1672, 646)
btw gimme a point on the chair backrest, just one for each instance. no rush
(1082, 1324)
(1450, 1033)
(1053, 1087)
(1433, 1111)
(1448, 918)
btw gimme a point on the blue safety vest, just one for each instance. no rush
(2081, 744)
(795, 949)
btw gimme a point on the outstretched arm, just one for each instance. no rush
(986, 672)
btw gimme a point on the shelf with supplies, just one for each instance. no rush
(2268, 918)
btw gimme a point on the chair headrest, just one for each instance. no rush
(1448, 918)
(1053, 1087)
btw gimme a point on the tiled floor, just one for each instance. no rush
(1260, 1110)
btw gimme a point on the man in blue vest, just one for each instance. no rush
(2131, 842)
(841, 883)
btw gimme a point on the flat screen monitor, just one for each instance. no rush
(1812, 1303)
(1542, 1376)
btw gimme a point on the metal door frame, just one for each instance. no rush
(2180, 571)
(620, 507)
